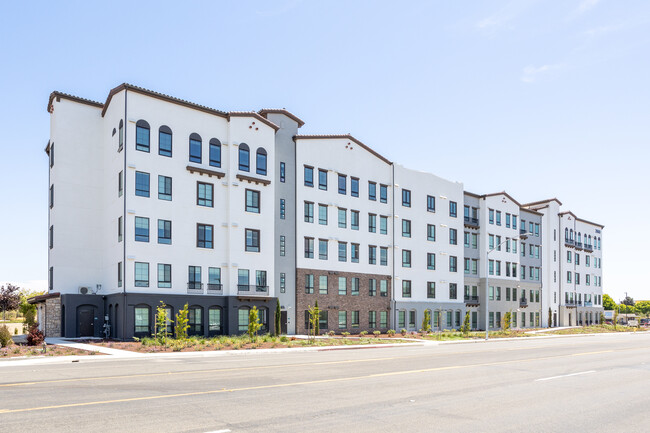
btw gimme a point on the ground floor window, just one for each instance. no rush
(242, 319)
(372, 319)
(457, 318)
(322, 319)
(436, 319)
(343, 319)
(474, 320)
(141, 320)
(532, 319)
(514, 319)
(383, 319)
(355, 319)
(401, 319)
(491, 318)
(449, 319)
(214, 320)
(412, 320)
(195, 316)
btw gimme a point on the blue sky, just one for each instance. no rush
(540, 98)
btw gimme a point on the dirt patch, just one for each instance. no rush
(19, 350)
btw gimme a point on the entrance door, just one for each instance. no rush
(86, 319)
(283, 322)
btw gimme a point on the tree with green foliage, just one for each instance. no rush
(608, 302)
(615, 318)
(317, 324)
(426, 321)
(465, 328)
(642, 307)
(550, 317)
(313, 316)
(254, 324)
(9, 299)
(507, 321)
(278, 315)
(182, 324)
(160, 331)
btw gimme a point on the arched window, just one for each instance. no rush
(242, 319)
(598, 243)
(195, 147)
(214, 321)
(195, 320)
(261, 161)
(142, 136)
(165, 141)
(579, 237)
(215, 152)
(244, 157)
(571, 234)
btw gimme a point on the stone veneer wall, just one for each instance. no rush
(332, 302)
(53, 317)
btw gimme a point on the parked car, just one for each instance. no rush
(645, 322)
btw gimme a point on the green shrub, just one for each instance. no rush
(5, 336)
(376, 333)
(254, 324)
(345, 334)
(363, 333)
(182, 324)
(284, 339)
(403, 331)
(15, 331)
(426, 322)
(331, 333)
(390, 333)
(465, 328)
(35, 336)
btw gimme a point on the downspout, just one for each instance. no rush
(124, 222)
(393, 302)
(295, 239)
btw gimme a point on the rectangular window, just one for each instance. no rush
(141, 229)
(141, 184)
(343, 319)
(406, 198)
(383, 319)
(215, 154)
(474, 266)
(491, 267)
(431, 232)
(372, 287)
(372, 223)
(491, 293)
(283, 246)
(252, 201)
(354, 220)
(453, 237)
(355, 319)
(507, 220)
(343, 252)
(536, 229)
(491, 242)
(164, 232)
(466, 265)
(431, 203)
(119, 274)
(322, 179)
(322, 214)
(343, 218)
(491, 216)
(195, 150)
(142, 138)
(354, 286)
(343, 286)
(453, 209)
(406, 258)
(120, 229)
(343, 184)
(51, 196)
(383, 193)
(204, 194)
(243, 279)
(141, 274)
(283, 282)
(466, 238)
(120, 184)
(498, 217)
(514, 222)
(498, 294)
(372, 255)
(354, 253)
(372, 319)
(322, 249)
(406, 228)
(431, 261)
(309, 284)
(453, 291)
(322, 285)
(309, 212)
(412, 319)
(309, 176)
(283, 209)
(401, 319)
(164, 275)
(309, 248)
(214, 278)
(141, 321)
(383, 288)
(253, 240)
(474, 240)
(431, 290)
(372, 191)
(406, 288)
(164, 188)
(354, 187)
(383, 256)
(383, 225)
(282, 172)
(453, 264)
(204, 235)
(194, 278)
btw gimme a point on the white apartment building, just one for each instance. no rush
(155, 199)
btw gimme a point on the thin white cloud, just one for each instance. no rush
(503, 17)
(587, 5)
(532, 73)
(597, 31)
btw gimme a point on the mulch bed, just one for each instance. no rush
(19, 350)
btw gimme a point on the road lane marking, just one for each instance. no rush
(284, 385)
(565, 375)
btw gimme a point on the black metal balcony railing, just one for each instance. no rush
(471, 221)
(588, 247)
(569, 242)
(522, 231)
(578, 244)
(254, 290)
(571, 303)
(523, 302)
(471, 299)
(194, 287)
(215, 288)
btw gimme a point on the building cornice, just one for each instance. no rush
(265, 111)
(342, 137)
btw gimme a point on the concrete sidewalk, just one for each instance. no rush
(92, 348)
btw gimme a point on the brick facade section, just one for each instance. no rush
(332, 302)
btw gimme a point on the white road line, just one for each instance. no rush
(220, 431)
(565, 375)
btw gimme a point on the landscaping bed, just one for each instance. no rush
(20, 350)
(197, 344)
(596, 329)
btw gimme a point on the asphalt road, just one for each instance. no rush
(583, 384)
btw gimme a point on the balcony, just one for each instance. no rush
(471, 222)
(215, 289)
(195, 287)
(589, 248)
(522, 231)
(252, 290)
(579, 245)
(570, 303)
(523, 303)
(569, 242)
(589, 304)
(471, 300)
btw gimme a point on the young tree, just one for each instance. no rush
(182, 324)
(426, 321)
(550, 317)
(278, 315)
(317, 323)
(9, 298)
(254, 324)
(161, 323)
(507, 321)
(314, 317)
(465, 328)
